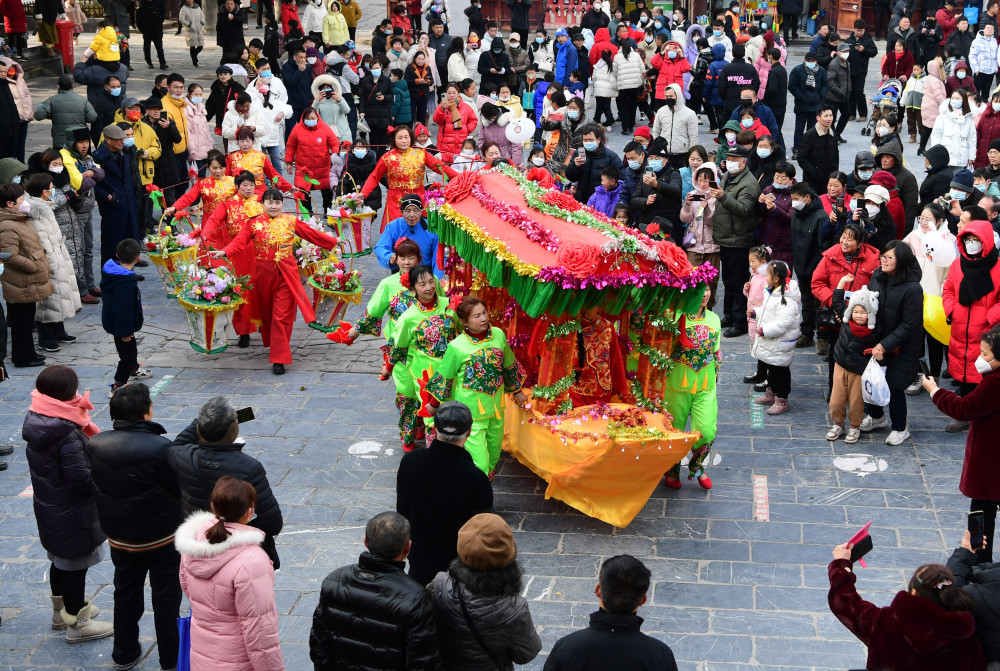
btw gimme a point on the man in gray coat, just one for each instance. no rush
(66, 109)
(734, 230)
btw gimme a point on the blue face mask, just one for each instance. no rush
(657, 25)
(376, 73)
(763, 153)
(812, 65)
(360, 153)
(590, 146)
(717, 33)
(16, 179)
(196, 100)
(634, 165)
(130, 142)
(655, 166)
(573, 114)
(266, 74)
(540, 40)
(865, 175)
(779, 186)
(115, 92)
(671, 54)
(310, 123)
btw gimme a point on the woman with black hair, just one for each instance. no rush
(483, 622)
(901, 312)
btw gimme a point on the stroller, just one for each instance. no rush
(884, 102)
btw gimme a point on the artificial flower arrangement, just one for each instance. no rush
(333, 275)
(348, 204)
(170, 239)
(307, 255)
(219, 284)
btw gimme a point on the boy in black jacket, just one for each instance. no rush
(851, 352)
(121, 313)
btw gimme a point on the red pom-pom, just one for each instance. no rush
(150, 188)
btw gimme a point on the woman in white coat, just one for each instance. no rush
(542, 52)
(472, 52)
(605, 88)
(955, 128)
(628, 69)
(52, 312)
(268, 94)
(778, 320)
(312, 15)
(457, 67)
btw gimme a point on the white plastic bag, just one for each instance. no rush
(874, 388)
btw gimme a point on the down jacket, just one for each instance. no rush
(678, 125)
(63, 496)
(603, 77)
(934, 94)
(969, 322)
(834, 266)
(780, 324)
(735, 223)
(270, 104)
(200, 140)
(372, 616)
(901, 319)
(503, 622)
(449, 139)
(670, 70)
(958, 134)
(233, 121)
(628, 71)
(987, 130)
(138, 498)
(26, 276)
(65, 298)
(198, 467)
(310, 150)
(332, 112)
(67, 109)
(234, 623)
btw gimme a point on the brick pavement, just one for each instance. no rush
(730, 592)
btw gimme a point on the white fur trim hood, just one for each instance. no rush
(190, 537)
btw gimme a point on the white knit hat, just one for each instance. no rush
(866, 299)
(877, 193)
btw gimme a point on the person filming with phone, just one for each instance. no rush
(982, 583)
(209, 448)
(981, 408)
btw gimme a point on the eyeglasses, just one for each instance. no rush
(886, 257)
(924, 220)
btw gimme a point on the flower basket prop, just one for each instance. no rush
(336, 285)
(308, 255)
(553, 259)
(209, 296)
(352, 220)
(169, 249)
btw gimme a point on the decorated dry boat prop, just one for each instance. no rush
(540, 260)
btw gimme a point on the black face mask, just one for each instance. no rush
(670, 102)
(747, 103)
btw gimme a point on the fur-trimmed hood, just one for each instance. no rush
(204, 558)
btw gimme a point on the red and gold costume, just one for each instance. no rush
(259, 164)
(404, 173)
(228, 219)
(277, 286)
(211, 191)
(602, 369)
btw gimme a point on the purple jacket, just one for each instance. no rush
(603, 201)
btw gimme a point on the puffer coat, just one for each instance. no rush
(503, 622)
(449, 139)
(628, 71)
(193, 20)
(372, 616)
(310, 150)
(272, 102)
(26, 276)
(670, 70)
(330, 111)
(969, 322)
(230, 585)
(934, 94)
(64, 492)
(200, 140)
(958, 134)
(65, 299)
(780, 323)
(901, 319)
(605, 85)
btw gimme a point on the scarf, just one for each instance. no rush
(76, 410)
(976, 278)
(858, 330)
(850, 257)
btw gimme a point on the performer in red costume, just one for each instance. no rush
(276, 281)
(601, 367)
(257, 162)
(212, 190)
(228, 218)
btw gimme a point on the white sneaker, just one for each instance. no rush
(869, 423)
(852, 436)
(897, 437)
(140, 374)
(834, 432)
(917, 386)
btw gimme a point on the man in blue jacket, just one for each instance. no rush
(413, 226)
(807, 83)
(566, 57)
(297, 77)
(116, 195)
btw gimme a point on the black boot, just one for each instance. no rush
(47, 337)
(194, 56)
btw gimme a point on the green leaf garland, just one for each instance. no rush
(554, 390)
(560, 330)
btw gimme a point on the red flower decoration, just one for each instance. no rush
(192, 173)
(562, 199)
(674, 258)
(653, 229)
(150, 188)
(460, 187)
(578, 259)
(455, 300)
(150, 246)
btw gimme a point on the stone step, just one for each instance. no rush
(38, 63)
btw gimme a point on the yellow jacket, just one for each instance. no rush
(175, 110)
(351, 11)
(105, 45)
(145, 139)
(335, 28)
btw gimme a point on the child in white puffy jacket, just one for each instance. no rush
(778, 320)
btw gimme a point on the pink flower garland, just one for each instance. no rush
(518, 218)
(702, 274)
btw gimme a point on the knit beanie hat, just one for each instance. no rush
(963, 180)
(486, 542)
(866, 299)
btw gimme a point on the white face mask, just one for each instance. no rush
(798, 204)
(732, 166)
(311, 60)
(973, 247)
(983, 366)
(56, 169)
(882, 131)
(996, 107)
(872, 209)
(538, 160)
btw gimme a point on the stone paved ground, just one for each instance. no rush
(730, 592)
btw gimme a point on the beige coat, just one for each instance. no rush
(26, 273)
(65, 300)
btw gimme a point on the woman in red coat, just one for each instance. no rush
(15, 24)
(929, 626)
(602, 41)
(987, 130)
(289, 11)
(898, 63)
(671, 68)
(980, 409)
(309, 148)
(455, 121)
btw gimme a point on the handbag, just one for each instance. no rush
(472, 628)
(184, 645)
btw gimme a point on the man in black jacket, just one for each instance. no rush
(586, 170)
(808, 245)
(819, 152)
(138, 504)
(440, 41)
(613, 640)
(735, 77)
(939, 175)
(372, 615)
(205, 451)
(657, 191)
(863, 49)
(519, 20)
(438, 489)
(776, 90)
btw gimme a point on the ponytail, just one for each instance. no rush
(780, 270)
(231, 498)
(217, 533)
(936, 583)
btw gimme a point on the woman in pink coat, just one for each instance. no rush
(200, 140)
(762, 65)
(455, 121)
(229, 581)
(934, 95)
